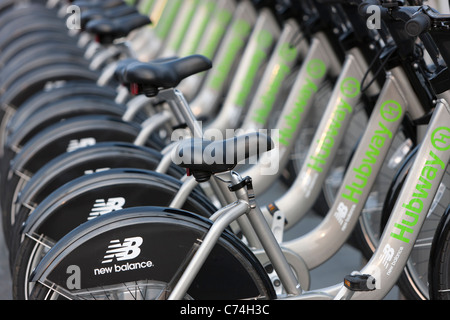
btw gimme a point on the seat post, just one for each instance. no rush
(183, 114)
(181, 110)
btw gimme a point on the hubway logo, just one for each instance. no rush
(350, 88)
(316, 70)
(391, 111)
(440, 140)
(128, 250)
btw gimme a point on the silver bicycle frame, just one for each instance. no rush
(284, 58)
(326, 142)
(150, 41)
(222, 219)
(396, 98)
(319, 61)
(216, 80)
(264, 34)
(409, 212)
(232, 46)
(215, 30)
(180, 26)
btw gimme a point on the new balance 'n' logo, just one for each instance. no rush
(77, 144)
(102, 207)
(128, 250)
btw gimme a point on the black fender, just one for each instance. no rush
(35, 81)
(27, 25)
(62, 110)
(32, 41)
(229, 272)
(9, 12)
(69, 166)
(55, 60)
(54, 140)
(45, 98)
(83, 198)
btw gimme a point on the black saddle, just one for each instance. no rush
(100, 13)
(108, 30)
(203, 158)
(101, 4)
(122, 65)
(154, 76)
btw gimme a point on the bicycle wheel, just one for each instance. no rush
(69, 166)
(84, 199)
(414, 282)
(42, 99)
(230, 272)
(61, 138)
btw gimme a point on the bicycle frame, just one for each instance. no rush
(409, 212)
(395, 100)
(398, 238)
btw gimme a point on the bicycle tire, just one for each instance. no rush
(438, 275)
(231, 271)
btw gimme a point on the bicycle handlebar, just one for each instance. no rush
(418, 24)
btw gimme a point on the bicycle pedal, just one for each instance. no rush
(359, 282)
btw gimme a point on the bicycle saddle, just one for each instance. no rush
(101, 4)
(99, 13)
(151, 77)
(107, 30)
(203, 158)
(123, 64)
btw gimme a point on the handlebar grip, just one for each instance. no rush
(362, 8)
(417, 25)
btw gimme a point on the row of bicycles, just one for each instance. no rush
(141, 142)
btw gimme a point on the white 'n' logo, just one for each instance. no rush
(102, 207)
(77, 144)
(126, 251)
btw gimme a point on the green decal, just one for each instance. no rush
(391, 111)
(287, 53)
(350, 87)
(221, 21)
(264, 41)
(363, 172)
(415, 205)
(294, 117)
(165, 22)
(316, 68)
(440, 138)
(240, 30)
(326, 143)
(178, 39)
(209, 7)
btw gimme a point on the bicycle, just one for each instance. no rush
(244, 205)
